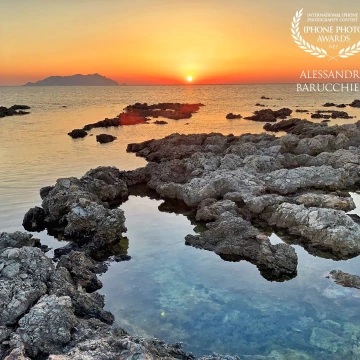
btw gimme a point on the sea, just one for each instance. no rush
(169, 290)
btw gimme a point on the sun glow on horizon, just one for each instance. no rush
(189, 78)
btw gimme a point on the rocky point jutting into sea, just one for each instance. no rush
(237, 186)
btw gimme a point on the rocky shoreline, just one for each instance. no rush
(139, 114)
(237, 186)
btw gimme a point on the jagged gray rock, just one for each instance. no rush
(211, 209)
(235, 239)
(17, 239)
(326, 229)
(24, 273)
(79, 208)
(309, 166)
(46, 328)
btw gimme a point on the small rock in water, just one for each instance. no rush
(232, 116)
(105, 138)
(34, 219)
(77, 133)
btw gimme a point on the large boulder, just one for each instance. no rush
(87, 218)
(107, 182)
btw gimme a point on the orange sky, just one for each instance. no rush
(159, 42)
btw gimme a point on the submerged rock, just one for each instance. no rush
(105, 138)
(345, 279)
(329, 341)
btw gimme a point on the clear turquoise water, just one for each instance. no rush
(167, 289)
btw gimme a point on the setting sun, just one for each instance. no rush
(189, 78)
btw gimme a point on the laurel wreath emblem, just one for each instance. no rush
(315, 50)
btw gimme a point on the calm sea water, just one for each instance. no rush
(169, 290)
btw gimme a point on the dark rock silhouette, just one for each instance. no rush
(75, 80)
(34, 219)
(14, 110)
(355, 103)
(232, 116)
(268, 115)
(105, 138)
(284, 125)
(77, 133)
(141, 113)
(331, 114)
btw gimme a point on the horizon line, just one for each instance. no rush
(120, 85)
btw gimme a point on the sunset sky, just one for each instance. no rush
(159, 41)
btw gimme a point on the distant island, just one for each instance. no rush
(75, 80)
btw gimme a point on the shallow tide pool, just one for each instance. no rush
(179, 293)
